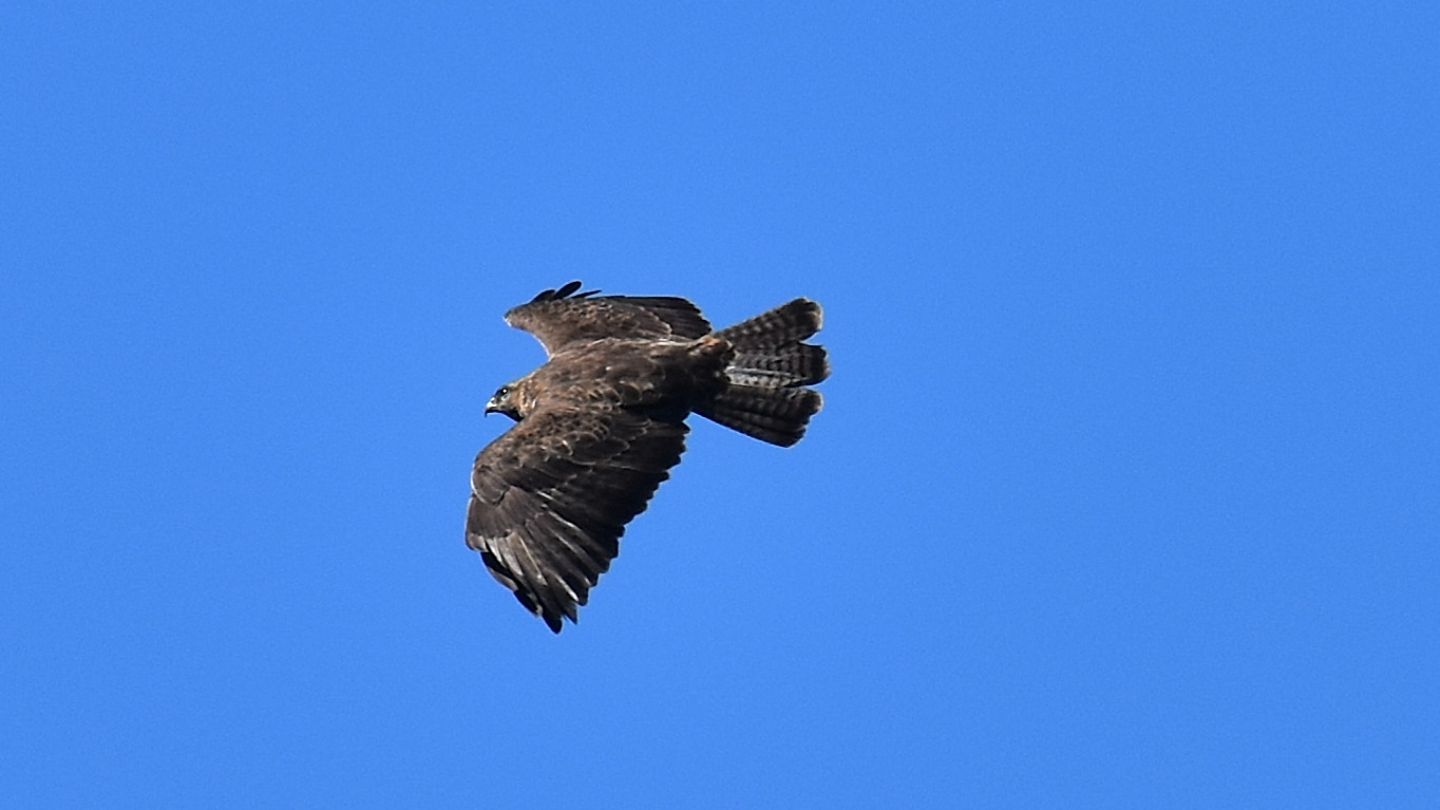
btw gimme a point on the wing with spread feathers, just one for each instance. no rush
(561, 317)
(551, 497)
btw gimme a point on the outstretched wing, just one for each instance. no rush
(551, 497)
(564, 316)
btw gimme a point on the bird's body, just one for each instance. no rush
(602, 422)
(627, 372)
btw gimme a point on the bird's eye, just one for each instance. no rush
(503, 392)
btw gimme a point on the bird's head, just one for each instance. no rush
(504, 401)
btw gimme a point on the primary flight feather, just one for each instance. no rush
(601, 423)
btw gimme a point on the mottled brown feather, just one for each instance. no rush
(558, 321)
(551, 497)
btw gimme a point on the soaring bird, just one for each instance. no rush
(600, 424)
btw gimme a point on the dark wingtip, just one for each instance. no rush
(567, 291)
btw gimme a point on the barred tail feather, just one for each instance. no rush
(796, 364)
(774, 415)
(784, 325)
(766, 397)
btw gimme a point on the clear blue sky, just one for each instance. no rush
(1125, 493)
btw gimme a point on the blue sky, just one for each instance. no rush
(1124, 493)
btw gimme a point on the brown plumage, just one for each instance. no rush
(603, 421)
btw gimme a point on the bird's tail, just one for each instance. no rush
(767, 397)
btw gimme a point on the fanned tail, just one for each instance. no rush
(767, 397)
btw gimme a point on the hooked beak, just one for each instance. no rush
(490, 407)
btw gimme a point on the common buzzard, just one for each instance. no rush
(603, 421)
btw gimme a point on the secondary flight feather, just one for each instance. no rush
(600, 424)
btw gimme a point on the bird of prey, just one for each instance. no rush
(601, 423)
